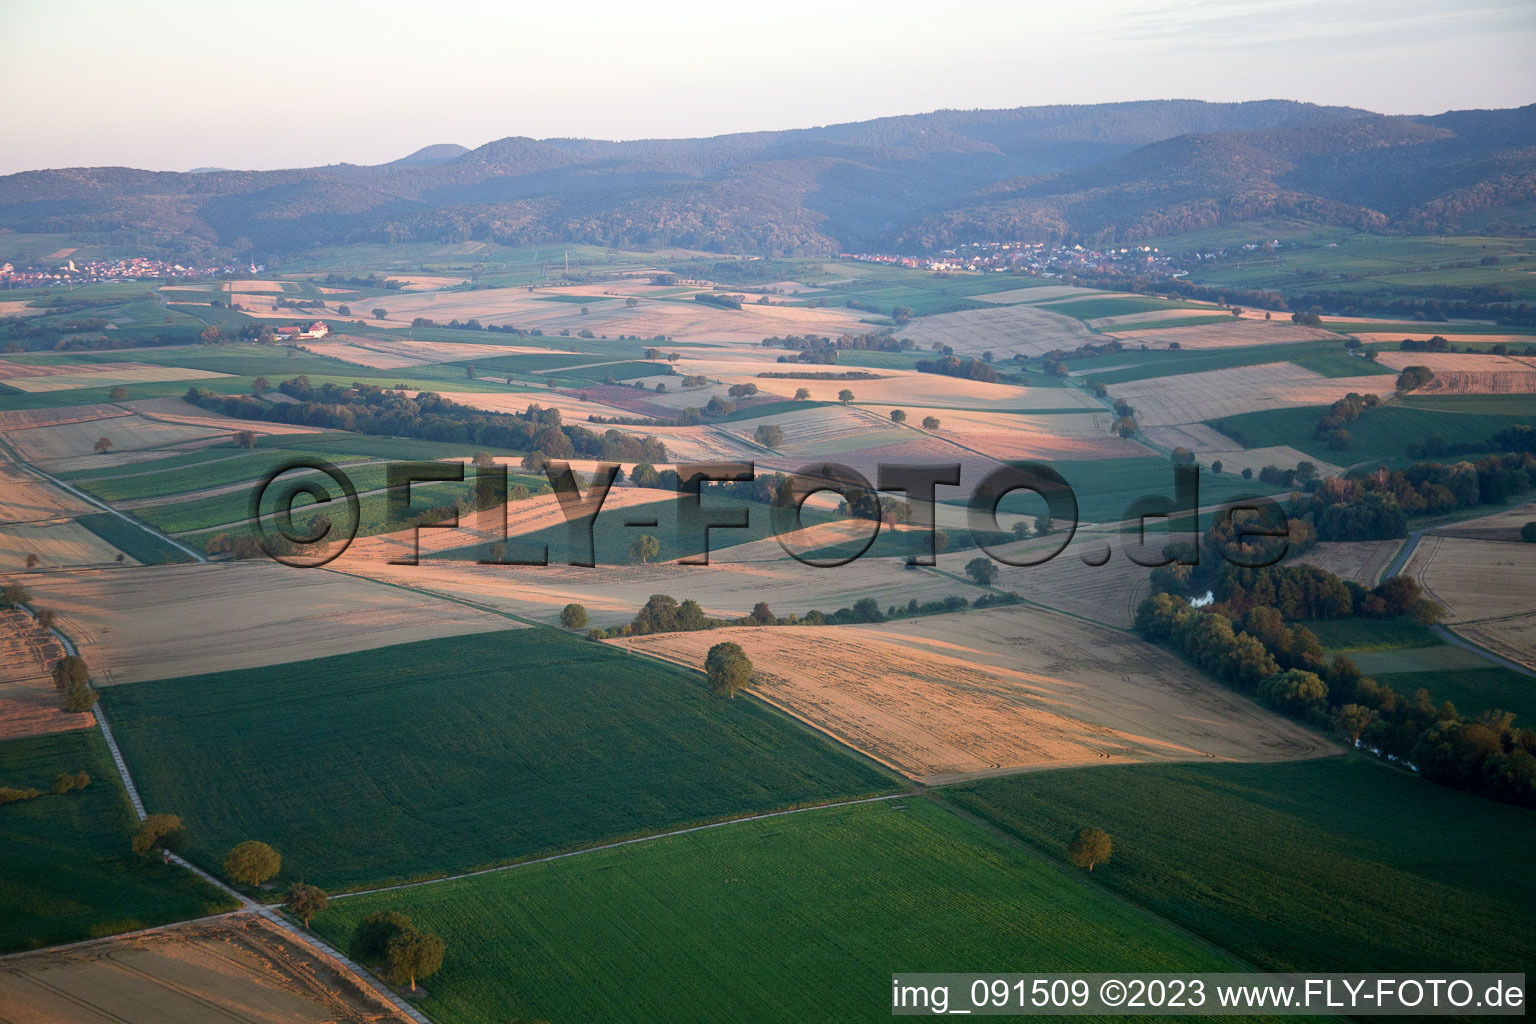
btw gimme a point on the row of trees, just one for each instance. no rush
(1376, 506)
(663, 613)
(369, 409)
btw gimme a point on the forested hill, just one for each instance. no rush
(1107, 172)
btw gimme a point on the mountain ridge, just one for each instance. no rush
(1094, 172)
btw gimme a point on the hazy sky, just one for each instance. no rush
(172, 85)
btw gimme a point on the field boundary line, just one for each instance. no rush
(904, 795)
(247, 905)
(28, 467)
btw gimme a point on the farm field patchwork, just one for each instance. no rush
(29, 702)
(446, 755)
(830, 903)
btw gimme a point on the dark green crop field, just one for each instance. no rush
(67, 872)
(444, 755)
(1338, 864)
(803, 917)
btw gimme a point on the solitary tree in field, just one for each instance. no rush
(117, 394)
(845, 396)
(380, 313)
(47, 617)
(412, 954)
(769, 435)
(305, 901)
(252, 863)
(260, 386)
(930, 423)
(154, 831)
(12, 595)
(898, 416)
(801, 394)
(573, 616)
(103, 444)
(728, 668)
(245, 439)
(982, 570)
(644, 549)
(31, 560)
(1089, 847)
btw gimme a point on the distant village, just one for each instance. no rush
(137, 268)
(1046, 260)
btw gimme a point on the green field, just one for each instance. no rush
(803, 917)
(444, 755)
(1386, 431)
(1091, 308)
(1325, 357)
(1338, 864)
(136, 543)
(68, 871)
(1474, 686)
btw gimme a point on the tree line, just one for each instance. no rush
(1248, 639)
(370, 409)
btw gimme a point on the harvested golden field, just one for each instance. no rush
(57, 543)
(391, 355)
(550, 310)
(985, 693)
(29, 704)
(1236, 333)
(240, 970)
(26, 499)
(1107, 593)
(1459, 373)
(898, 388)
(180, 411)
(1030, 330)
(1487, 588)
(1044, 293)
(1362, 561)
(1196, 397)
(157, 622)
(19, 307)
(23, 419)
(100, 375)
